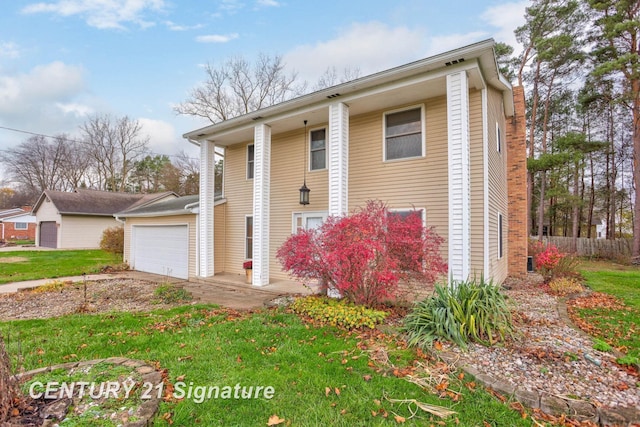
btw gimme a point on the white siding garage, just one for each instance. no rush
(161, 249)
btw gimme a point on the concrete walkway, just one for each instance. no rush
(224, 290)
(30, 284)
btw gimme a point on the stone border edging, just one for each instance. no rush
(149, 374)
(580, 410)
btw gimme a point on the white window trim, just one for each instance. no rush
(500, 233)
(26, 226)
(498, 138)
(326, 149)
(253, 162)
(244, 255)
(306, 214)
(422, 131)
(413, 208)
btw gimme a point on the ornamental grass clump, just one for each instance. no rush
(462, 312)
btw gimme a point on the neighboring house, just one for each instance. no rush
(17, 224)
(444, 135)
(161, 238)
(601, 229)
(76, 220)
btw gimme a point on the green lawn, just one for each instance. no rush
(304, 364)
(618, 327)
(16, 266)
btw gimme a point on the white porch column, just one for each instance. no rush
(338, 140)
(207, 189)
(459, 176)
(261, 204)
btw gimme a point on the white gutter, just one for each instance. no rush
(121, 221)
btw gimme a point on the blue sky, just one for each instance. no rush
(62, 61)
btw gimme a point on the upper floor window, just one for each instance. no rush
(250, 160)
(318, 150)
(403, 134)
(20, 226)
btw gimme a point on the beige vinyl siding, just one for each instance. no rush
(498, 200)
(287, 175)
(189, 220)
(419, 182)
(238, 190)
(83, 232)
(219, 243)
(476, 129)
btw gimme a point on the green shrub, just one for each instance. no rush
(113, 240)
(462, 312)
(338, 312)
(170, 294)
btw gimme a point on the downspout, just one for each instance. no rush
(2, 230)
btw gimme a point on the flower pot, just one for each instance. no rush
(249, 273)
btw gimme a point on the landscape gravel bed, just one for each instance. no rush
(549, 356)
(118, 294)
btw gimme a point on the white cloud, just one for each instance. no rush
(440, 44)
(369, 47)
(177, 27)
(103, 14)
(49, 99)
(162, 136)
(75, 109)
(9, 50)
(269, 3)
(44, 83)
(506, 18)
(217, 38)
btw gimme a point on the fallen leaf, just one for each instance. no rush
(337, 391)
(274, 420)
(400, 419)
(327, 391)
(366, 378)
(180, 378)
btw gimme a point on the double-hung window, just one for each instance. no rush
(500, 236)
(250, 160)
(318, 150)
(248, 237)
(404, 134)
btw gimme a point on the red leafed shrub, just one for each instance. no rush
(366, 254)
(548, 260)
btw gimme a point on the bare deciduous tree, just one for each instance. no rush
(238, 87)
(41, 163)
(330, 77)
(113, 145)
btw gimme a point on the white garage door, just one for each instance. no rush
(161, 249)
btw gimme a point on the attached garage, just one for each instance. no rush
(49, 234)
(161, 249)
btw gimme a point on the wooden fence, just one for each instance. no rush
(600, 248)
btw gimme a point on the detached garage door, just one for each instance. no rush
(161, 249)
(49, 234)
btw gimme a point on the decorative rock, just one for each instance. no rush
(553, 405)
(582, 411)
(528, 398)
(56, 409)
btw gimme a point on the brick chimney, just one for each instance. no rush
(517, 187)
